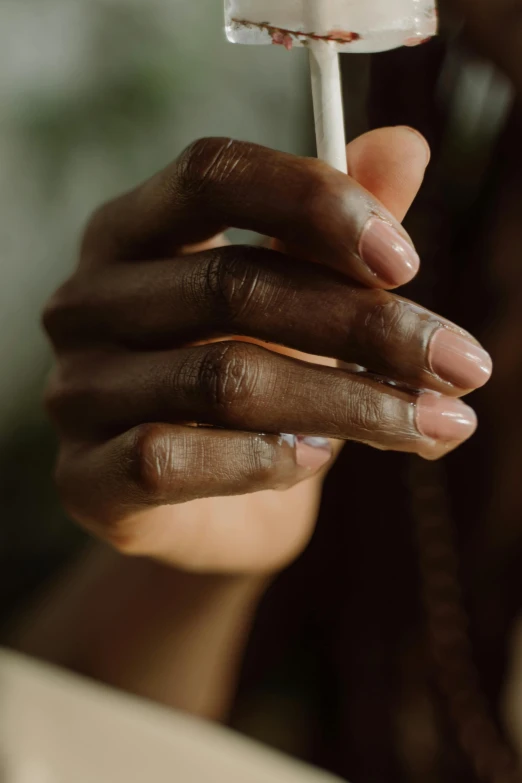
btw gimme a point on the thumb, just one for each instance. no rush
(390, 163)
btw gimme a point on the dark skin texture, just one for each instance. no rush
(128, 328)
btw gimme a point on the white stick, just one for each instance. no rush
(327, 93)
(328, 104)
(326, 90)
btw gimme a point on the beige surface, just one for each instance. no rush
(58, 728)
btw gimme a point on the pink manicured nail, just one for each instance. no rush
(312, 453)
(445, 419)
(459, 361)
(388, 254)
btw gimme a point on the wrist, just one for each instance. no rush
(172, 636)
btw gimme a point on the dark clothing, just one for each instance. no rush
(372, 611)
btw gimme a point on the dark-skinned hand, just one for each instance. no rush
(172, 431)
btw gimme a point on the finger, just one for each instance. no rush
(302, 202)
(390, 163)
(241, 386)
(257, 293)
(160, 464)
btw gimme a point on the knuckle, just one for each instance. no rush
(228, 376)
(389, 326)
(263, 461)
(205, 161)
(100, 512)
(364, 411)
(378, 414)
(156, 464)
(371, 410)
(383, 319)
(233, 285)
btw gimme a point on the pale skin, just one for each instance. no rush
(165, 609)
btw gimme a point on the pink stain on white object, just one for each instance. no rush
(279, 38)
(342, 36)
(352, 26)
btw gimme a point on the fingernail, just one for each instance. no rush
(444, 419)
(388, 254)
(459, 361)
(312, 453)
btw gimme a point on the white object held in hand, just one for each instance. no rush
(328, 27)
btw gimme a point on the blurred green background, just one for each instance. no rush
(96, 95)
